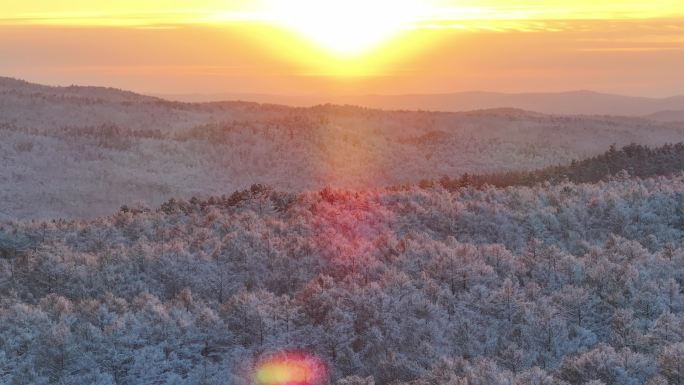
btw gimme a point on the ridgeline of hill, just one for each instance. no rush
(634, 160)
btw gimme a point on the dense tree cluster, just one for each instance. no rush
(634, 160)
(555, 284)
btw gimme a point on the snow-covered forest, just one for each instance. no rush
(559, 283)
(82, 152)
(495, 247)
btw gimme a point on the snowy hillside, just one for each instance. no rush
(567, 284)
(84, 152)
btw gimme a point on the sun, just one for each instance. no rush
(346, 28)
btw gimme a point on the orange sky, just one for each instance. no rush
(207, 46)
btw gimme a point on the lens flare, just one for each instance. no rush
(290, 368)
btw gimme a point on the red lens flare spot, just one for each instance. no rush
(290, 368)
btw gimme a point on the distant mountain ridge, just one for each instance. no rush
(565, 103)
(574, 102)
(581, 102)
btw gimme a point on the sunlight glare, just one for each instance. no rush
(346, 28)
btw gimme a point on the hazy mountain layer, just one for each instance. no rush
(571, 103)
(83, 152)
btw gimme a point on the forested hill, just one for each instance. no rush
(636, 160)
(559, 284)
(82, 152)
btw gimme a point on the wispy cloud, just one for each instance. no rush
(436, 14)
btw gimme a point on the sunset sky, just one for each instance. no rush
(355, 46)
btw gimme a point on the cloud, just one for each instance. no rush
(437, 14)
